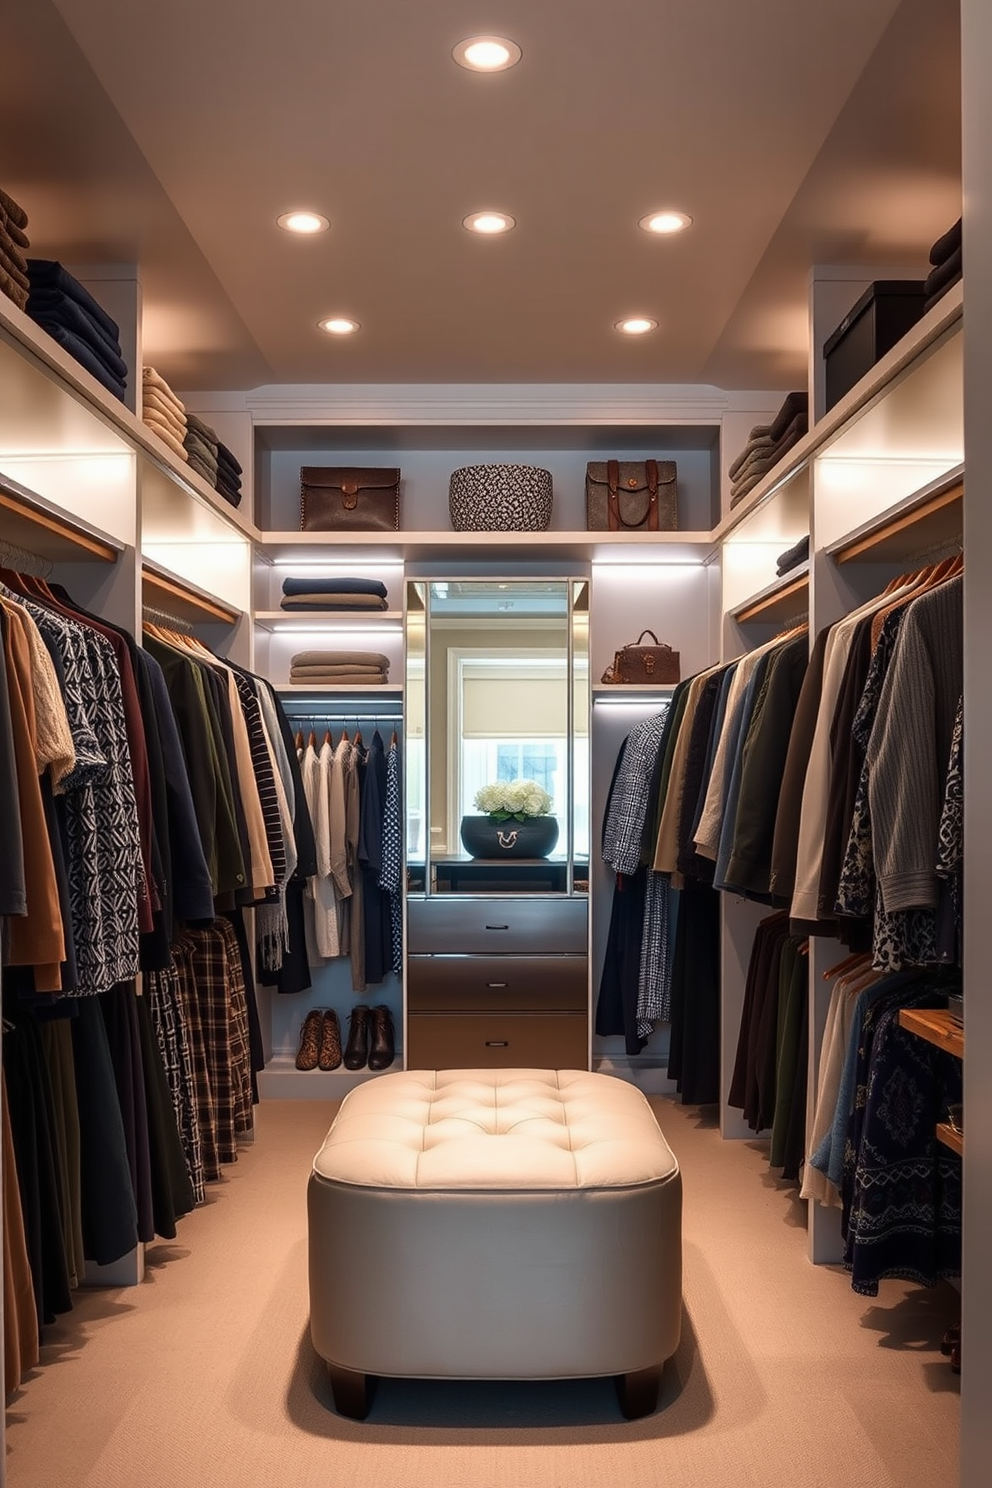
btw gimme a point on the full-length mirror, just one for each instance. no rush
(497, 709)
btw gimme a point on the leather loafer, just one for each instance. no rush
(357, 1051)
(382, 1044)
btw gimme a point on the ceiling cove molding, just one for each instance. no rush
(538, 403)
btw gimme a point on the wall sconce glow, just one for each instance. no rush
(305, 223)
(665, 223)
(487, 53)
(635, 325)
(489, 223)
(339, 325)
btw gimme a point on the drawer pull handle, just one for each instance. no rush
(497, 927)
(497, 1043)
(496, 984)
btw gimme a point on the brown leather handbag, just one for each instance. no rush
(631, 496)
(657, 664)
(349, 498)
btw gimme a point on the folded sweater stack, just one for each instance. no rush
(162, 411)
(14, 281)
(363, 595)
(792, 557)
(200, 443)
(72, 317)
(229, 474)
(342, 668)
(766, 445)
(946, 265)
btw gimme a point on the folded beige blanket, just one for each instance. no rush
(13, 210)
(153, 402)
(336, 658)
(13, 291)
(12, 261)
(326, 601)
(314, 672)
(151, 421)
(151, 379)
(341, 679)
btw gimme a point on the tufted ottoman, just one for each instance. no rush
(495, 1224)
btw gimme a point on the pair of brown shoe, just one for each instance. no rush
(371, 1040)
(320, 1041)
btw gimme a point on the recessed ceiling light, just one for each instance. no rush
(487, 53)
(339, 325)
(303, 222)
(665, 222)
(488, 223)
(635, 325)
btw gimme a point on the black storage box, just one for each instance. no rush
(883, 315)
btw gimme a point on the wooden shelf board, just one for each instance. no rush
(326, 619)
(950, 1137)
(328, 689)
(924, 521)
(690, 547)
(777, 602)
(176, 596)
(936, 1026)
(29, 522)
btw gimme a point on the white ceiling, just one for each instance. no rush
(172, 136)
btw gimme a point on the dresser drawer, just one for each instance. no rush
(497, 1041)
(471, 924)
(518, 983)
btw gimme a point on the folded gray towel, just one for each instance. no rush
(196, 426)
(762, 445)
(331, 673)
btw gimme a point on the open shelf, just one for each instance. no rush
(664, 547)
(931, 518)
(941, 321)
(780, 602)
(936, 1026)
(32, 523)
(175, 596)
(306, 620)
(950, 1138)
(328, 689)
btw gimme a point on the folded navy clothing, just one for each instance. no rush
(795, 403)
(84, 355)
(54, 305)
(231, 486)
(115, 369)
(948, 243)
(226, 457)
(793, 556)
(46, 273)
(941, 277)
(334, 586)
(234, 497)
(929, 303)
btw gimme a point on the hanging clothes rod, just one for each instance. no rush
(162, 617)
(12, 555)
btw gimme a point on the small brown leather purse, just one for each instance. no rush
(647, 665)
(349, 498)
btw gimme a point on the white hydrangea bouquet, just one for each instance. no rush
(513, 799)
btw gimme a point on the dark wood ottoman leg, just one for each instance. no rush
(637, 1391)
(352, 1392)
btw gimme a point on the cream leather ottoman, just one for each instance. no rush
(495, 1224)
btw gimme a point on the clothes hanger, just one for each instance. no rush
(847, 964)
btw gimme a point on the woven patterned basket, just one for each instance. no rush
(500, 498)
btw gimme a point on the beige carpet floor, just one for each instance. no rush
(203, 1375)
